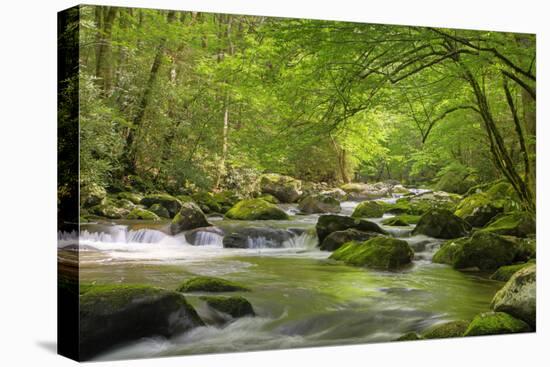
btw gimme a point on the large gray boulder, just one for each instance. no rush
(518, 297)
(328, 223)
(284, 188)
(189, 217)
(319, 204)
(441, 223)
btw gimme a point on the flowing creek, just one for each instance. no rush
(301, 298)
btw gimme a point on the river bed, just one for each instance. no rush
(301, 298)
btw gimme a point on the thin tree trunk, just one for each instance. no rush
(130, 148)
(103, 65)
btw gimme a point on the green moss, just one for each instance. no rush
(108, 210)
(504, 273)
(130, 196)
(210, 284)
(401, 220)
(207, 202)
(485, 251)
(399, 207)
(441, 223)
(408, 337)
(369, 209)
(518, 224)
(255, 209)
(451, 329)
(492, 323)
(138, 213)
(235, 306)
(353, 187)
(378, 252)
(318, 203)
(470, 203)
(172, 204)
(160, 210)
(115, 296)
(269, 198)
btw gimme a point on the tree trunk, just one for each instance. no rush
(103, 63)
(130, 148)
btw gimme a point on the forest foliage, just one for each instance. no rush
(182, 101)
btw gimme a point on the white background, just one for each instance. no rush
(28, 181)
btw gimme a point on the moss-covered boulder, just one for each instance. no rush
(485, 251)
(369, 209)
(209, 284)
(409, 337)
(160, 211)
(318, 203)
(422, 203)
(284, 188)
(207, 202)
(518, 297)
(455, 181)
(133, 197)
(269, 198)
(172, 204)
(442, 223)
(108, 210)
(336, 239)
(91, 195)
(492, 323)
(189, 217)
(519, 224)
(328, 223)
(255, 209)
(401, 206)
(383, 253)
(452, 329)
(363, 191)
(236, 306)
(143, 214)
(504, 273)
(110, 315)
(478, 209)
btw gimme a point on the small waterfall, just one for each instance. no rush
(304, 240)
(206, 238)
(121, 234)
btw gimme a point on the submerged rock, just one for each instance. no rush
(336, 239)
(319, 204)
(257, 237)
(172, 204)
(209, 284)
(518, 297)
(284, 188)
(194, 236)
(236, 306)
(452, 329)
(114, 314)
(485, 251)
(190, 216)
(409, 337)
(441, 223)
(328, 223)
(379, 252)
(369, 209)
(517, 224)
(492, 323)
